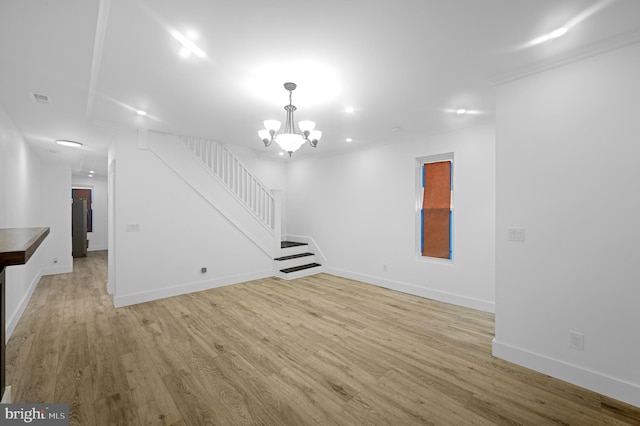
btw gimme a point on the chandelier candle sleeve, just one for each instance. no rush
(290, 139)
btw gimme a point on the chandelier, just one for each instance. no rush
(290, 139)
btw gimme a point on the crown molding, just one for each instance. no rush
(612, 43)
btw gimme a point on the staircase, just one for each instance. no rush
(229, 187)
(295, 261)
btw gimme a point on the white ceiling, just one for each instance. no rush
(405, 65)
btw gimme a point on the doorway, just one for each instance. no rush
(81, 220)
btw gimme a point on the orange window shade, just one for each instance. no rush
(436, 206)
(437, 185)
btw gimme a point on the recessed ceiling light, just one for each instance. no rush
(72, 144)
(90, 175)
(91, 171)
(461, 111)
(281, 153)
(188, 45)
(141, 113)
(558, 33)
(348, 140)
(349, 109)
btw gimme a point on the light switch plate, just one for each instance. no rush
(516, 234)
(576, 340)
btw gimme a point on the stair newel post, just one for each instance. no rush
(277, 220)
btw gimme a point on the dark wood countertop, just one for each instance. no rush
(18, 244)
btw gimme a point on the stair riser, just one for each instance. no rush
(299, 274)
(293, 250)
(289, 263)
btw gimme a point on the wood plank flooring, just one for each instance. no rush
(320, 350)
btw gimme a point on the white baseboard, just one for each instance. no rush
(12, 322)
(162, 293)
(6, 396)
(455, 299)
(58, 269)
(606, 385)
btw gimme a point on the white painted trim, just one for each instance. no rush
(227, 188)
(427, 293)
(313, 247)
(622, 40)
(143, 139)
(300, 274)
(606, 385)
(298, 261)
(55, 270)
(156, 148)
(419, 162)
(12, 322)
(178, 290)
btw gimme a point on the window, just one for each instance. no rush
(435, 206)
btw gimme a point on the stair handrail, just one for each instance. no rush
(235, 177)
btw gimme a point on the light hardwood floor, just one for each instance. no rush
(315, 351)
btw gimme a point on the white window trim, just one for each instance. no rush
(448, 156)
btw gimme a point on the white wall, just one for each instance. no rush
(567, 154)
(360, 209)
(28, 186)
(179, 232)
(98, 184)
(19, 167)
(55, 208)
(111, 220)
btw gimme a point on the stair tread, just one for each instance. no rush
(299, 268)
(294, 256)
(287, 244)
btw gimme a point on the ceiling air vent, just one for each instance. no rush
(39, 98)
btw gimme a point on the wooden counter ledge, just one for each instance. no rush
(18, 244)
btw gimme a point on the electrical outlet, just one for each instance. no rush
(55, 260)
(203, 270)
(576, 340)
